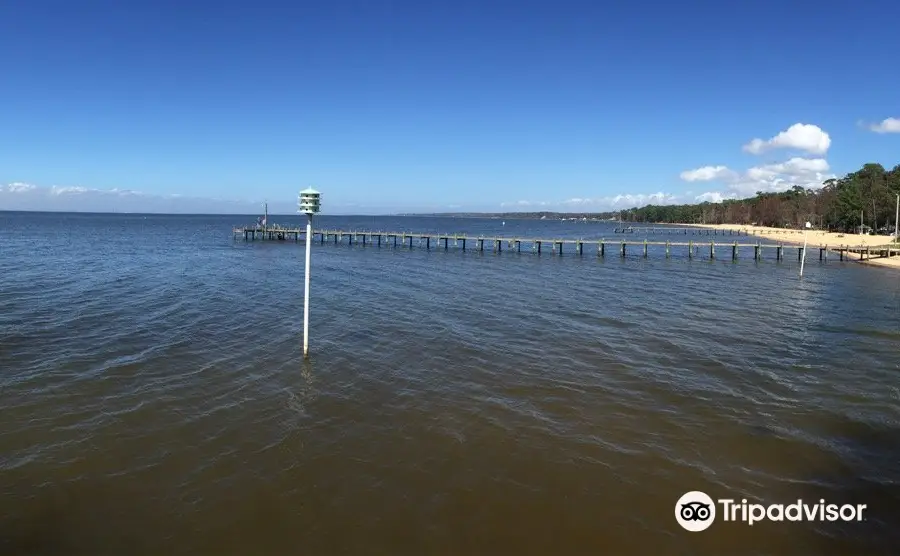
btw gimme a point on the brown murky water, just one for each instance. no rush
(153, 399)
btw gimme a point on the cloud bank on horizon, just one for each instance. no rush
(801, 139)
(29, 197)
(19, 196)
(804, 164)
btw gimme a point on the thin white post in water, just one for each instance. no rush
(803, 259)
(308, 203)
(306, 287)
(897, 220)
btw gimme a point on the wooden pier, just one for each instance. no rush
(270, 232)
(682, 231)
(693, 249)
(665, 230)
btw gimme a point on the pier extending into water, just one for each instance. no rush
(670, 230)
(682, 231)
(602, 247)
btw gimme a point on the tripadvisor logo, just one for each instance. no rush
(696, 511)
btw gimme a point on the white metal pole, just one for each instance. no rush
(306, 288)
(897, 220)
(803, 259)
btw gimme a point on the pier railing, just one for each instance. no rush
(696, 231)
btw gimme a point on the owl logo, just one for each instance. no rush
(695, 511)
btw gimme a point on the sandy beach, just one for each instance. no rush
(814, 238)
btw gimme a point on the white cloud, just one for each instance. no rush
(802, 165)
(795, 167)
(808, 173)
(19, 187)
(123, 192)
(596, 204)
(804, 137)
(640, 199)
(23, 196)
(889, 125)
(524, 204)
(707, 173)
(26, 197)
(710, 196)
(56, 190)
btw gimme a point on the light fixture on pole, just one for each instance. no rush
(803, 259)
(308, 204)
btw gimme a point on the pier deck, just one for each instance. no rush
(557, 246)
(666, 230)
(669, 230)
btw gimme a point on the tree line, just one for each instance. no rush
(866, 198)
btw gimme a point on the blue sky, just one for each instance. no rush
(452, 105)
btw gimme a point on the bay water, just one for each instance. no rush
(154, 398)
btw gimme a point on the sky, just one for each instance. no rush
(427, 106)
